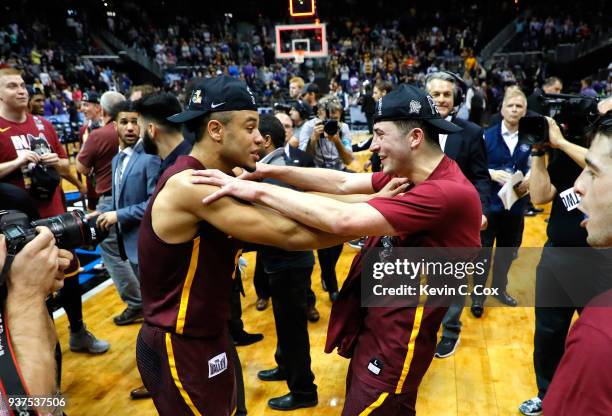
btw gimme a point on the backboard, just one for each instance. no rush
(305, 40)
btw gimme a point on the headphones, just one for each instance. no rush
(459, 86)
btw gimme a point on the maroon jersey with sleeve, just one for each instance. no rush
(391, 348)
(582, 384)
(18, 137)
(186, 287)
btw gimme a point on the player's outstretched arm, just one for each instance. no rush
(316, 179)
(244, 221)
(326, 214)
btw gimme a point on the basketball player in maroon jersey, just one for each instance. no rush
(188, 253)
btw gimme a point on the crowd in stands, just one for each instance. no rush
(361, 54)
(57, 68)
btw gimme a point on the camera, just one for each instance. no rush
(573, 113)
(71, 230)
(331, 127)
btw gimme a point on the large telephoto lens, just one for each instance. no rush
(70, 229)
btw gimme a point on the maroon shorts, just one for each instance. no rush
(186, 376)
(363, 399)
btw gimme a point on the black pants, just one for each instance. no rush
(289, 289)
(262, 284)
(69, 298)
(566, 280)
(328, 257)
(503, 230)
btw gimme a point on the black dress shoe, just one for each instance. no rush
(477, 308)
(312, 314)
(247, 339)
(506, 299)
(292, 401)
(274, 374)
(140, 393)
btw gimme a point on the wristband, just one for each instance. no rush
(538, 153)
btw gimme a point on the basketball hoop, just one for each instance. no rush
(298, 56)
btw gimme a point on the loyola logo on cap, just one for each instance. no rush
(380, 106)
(251, 94)
(415, 107)
(196, 97)
(432, 104)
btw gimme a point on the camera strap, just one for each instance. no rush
(5, 269)
(11, 382)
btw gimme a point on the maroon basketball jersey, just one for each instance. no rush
(186, 287)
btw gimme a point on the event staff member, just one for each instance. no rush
(582, 384)
(21, 134)
(190, 252)
(567, 277)
(467, 148)
(390, 347)
(506, 155)
(288, 273)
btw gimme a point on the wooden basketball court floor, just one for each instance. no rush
(490, 374)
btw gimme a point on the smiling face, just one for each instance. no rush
(594, 185)
(241, 140)
(13, 92)
(442, 93)
(127, 128)
(394, 147)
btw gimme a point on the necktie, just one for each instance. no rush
(119, 176)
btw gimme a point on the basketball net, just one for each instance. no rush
(298, 56)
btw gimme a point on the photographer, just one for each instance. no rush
(32, 158)
(36, 271)
(328, 140)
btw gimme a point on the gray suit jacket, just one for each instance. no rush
(136, 187)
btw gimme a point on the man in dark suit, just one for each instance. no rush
(467, 148)
(288, 274)
(134, 175)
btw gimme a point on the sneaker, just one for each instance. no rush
(531, 407)
(128, 316)
(446, 347)
(357, 244)
(99, 267)
(85, 341)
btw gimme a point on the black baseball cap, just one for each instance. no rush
(91, 97)
(408, 102)
(302, 108)
(222, 93)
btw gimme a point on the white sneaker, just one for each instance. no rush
(531, 407)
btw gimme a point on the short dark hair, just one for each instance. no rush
(385, 86)
(270, 125)
(125, 106)
(551, 81)
(603, 127)
(430, 132)
(198, 125)
(158, 107)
